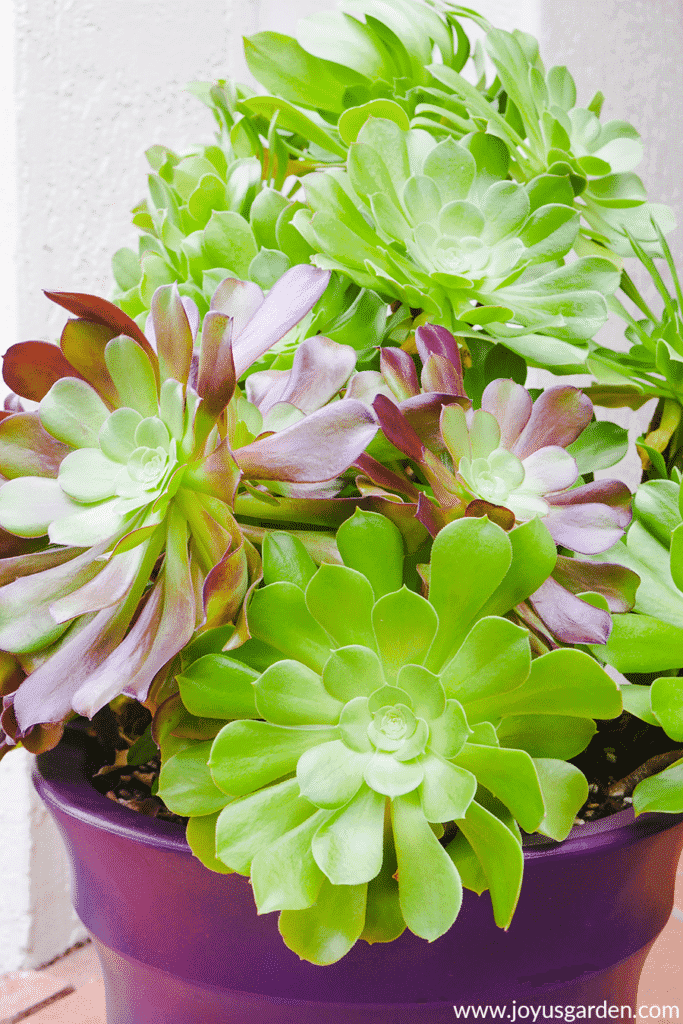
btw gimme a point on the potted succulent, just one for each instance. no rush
(297, 567)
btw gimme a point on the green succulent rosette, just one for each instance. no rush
(405, 61)
(211, 214)
(439, 226)
(647, 644)
(385, 747)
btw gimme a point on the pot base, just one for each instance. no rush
(139, 994)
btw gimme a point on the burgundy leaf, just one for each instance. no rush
(32, 367)
(83, 344)
(570, 619)
(398, 369)
(366, 385)
(613, 493)
(15, 566)
(397, 430)
(511, 404)
(26, 448)
(216, 380)
(431, 340)
(430, 515)
(99, 311)
(386, 478)
(258, 385)
(423, 414)
(616, 583)
(237, 299)
(172, 332)
(558, 416)
(318, 447)
(218, 474)
(288, 302)
(586, 528)
(498, 514)
(320, 369)
(225, 588)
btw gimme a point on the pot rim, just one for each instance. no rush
(61, 778)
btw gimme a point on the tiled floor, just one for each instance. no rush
(71, 991)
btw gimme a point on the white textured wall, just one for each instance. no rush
(97, 82)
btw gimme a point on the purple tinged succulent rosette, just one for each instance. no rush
(509, 460)
(385, 746)
(129, 470)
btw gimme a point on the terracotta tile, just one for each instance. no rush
(20, 990)
(78, 967)
(86, 1006)
(661, 982)
(678, 896)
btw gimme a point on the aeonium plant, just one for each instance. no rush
(513, 460)
(129, 471)
(384, 747)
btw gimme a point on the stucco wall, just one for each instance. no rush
(96, 83)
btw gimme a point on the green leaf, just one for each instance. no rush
(348, 846)
(133, 376)
(452, 169)
(30, 504)
(284, 875)
(246, 755)
(229, 242)
(559, 736)
(217, 686)
(565, 790)
(353, 119)
(325, 932)
(330, 774)
(511, 777)
(655, 505)
(405, 625)
(467, 864)
(201, 838)
(125, 265)
(246, 826)
(599, 446)
(351, 672)
(286, 560)
(430, 891)
(383, 918)
(563, 682)
(495, 657)
(278, 615)
(641, 643)
(386, 775)
(331, 35)
(284, 68)
(426, 693)
(499, 854)
(470, 558)
(73, 412)
(293, 120)
(341, 600)
(662, 792)
(186, 785)
(446, 790)
(289, 693)
(666, 695)
(373, 545)
(267, 267)
(677, 556)
(636, 700)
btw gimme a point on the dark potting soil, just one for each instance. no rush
(623, 752)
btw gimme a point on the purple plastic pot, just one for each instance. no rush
(182, 945)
